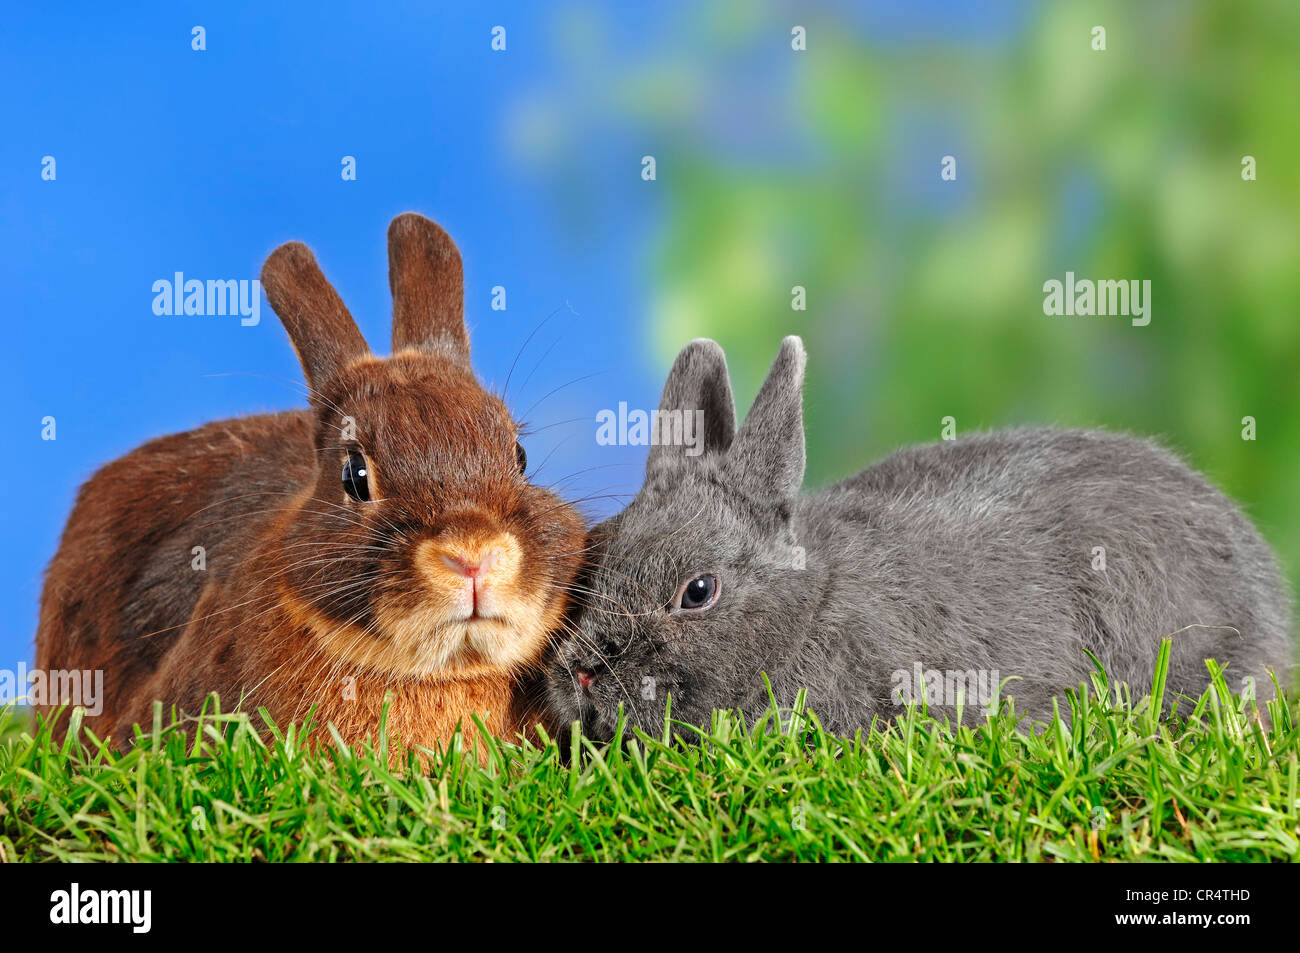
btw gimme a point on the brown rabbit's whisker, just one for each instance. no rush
(545, 354)
(556, 390)
(553, 486)
(533, 333)
(532, 431)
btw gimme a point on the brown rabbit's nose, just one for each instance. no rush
(471, 567)
(475, 575)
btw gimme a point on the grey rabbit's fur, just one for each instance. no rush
(967, 556)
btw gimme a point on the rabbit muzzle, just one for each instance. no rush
(475, 576)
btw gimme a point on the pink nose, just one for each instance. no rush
(472, 569)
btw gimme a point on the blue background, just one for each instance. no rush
(171, 160)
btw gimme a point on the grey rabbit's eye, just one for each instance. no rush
(698, 593)
(356, 481)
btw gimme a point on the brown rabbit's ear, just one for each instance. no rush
(424, 272)
(320, 327)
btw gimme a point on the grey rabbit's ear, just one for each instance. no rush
(428, 285)
(767, 456)
(319, 325)
(696, 412)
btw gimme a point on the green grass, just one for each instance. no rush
(1210, 781)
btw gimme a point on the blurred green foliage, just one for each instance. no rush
(924, 298)
(821, 168)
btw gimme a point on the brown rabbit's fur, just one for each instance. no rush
(311, 598)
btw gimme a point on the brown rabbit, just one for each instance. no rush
(386, 540)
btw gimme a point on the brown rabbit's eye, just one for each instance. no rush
(356, 477)
(521, 457)
(699, 593)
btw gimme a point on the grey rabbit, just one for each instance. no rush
(932, 575)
